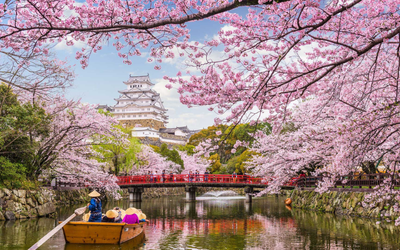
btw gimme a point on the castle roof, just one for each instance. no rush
(105, 107)
(139, 79)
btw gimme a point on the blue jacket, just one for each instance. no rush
(95, 205)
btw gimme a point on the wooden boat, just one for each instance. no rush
(101, 232)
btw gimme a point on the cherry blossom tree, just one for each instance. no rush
(281, 51)
(148, 160)
(66, 151)
(341, 54)
(40, 73)
(193, 163)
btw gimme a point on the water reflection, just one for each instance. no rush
(221, 224)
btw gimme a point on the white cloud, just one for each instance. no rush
(63, 45)
(195, 120)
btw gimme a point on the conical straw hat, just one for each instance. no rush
(131, 211)
(94, 194)
(111, 214)
(142, 216)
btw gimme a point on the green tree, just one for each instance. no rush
(189, 149)
(170, 154)
(238, 163)
(117, 152)
(228, 138)
(216, 166)
(21, 125)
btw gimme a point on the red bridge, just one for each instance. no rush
(136, 184)
(354, 182)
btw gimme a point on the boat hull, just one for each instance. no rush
(101, 232)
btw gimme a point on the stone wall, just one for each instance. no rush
(345, 203)
(156, 142)
(23, 204)
(144, 123)
(174, 137)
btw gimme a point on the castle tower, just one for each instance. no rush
(138, 104)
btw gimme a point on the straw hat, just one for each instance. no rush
(142, 216)
(111, 214)
(94, 194)
(131, 211)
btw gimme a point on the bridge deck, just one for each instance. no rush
(201, 180)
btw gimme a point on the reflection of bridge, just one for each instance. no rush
(136, 184)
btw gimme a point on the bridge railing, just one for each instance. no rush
(186, 178)
(345, 181)
(352, 181)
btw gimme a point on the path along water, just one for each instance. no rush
(222, 224)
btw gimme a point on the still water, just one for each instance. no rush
(221, 223)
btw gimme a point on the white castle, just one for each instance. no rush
(140, 108)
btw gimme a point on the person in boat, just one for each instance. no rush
(110, 216)
(131, 216)
(94, 207)
(142, 216)
(118, 219)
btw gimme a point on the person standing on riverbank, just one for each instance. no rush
(94, 207)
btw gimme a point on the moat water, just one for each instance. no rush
(227, 223)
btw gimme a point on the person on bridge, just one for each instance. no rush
(148, 176)
(234, 176)
(171, 177)
(163, 175)
(190, 176)
(94, 207)
(156, 177)
(206, 175)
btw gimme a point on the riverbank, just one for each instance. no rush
(24, 204)
(342, 203)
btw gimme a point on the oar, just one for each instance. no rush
(78, 211)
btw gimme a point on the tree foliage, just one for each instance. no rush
(119, 153)
(20, 126)
(229, 141)
(169, 154)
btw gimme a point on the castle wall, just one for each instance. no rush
(170, 136)
(157, 142)
(144, 123)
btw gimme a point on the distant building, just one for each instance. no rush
(140, 108)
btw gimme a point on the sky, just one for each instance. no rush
(100, 81)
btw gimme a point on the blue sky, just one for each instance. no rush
(100, 81)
